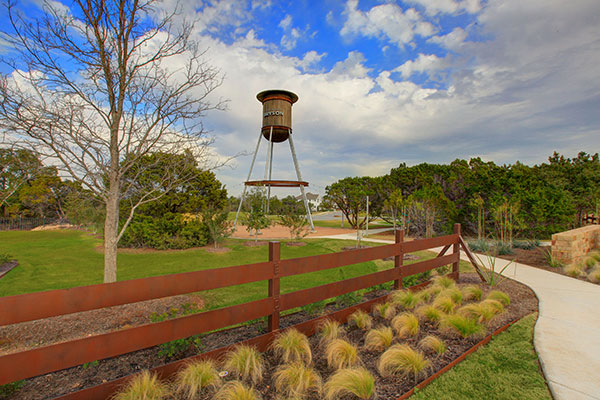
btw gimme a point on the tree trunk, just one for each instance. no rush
(111, 231)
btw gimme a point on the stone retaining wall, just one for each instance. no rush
(570, 247)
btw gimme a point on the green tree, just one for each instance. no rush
(256, 220)
(294, 219)
(217, 223)
(350, 196)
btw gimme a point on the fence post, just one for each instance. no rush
(274, 257)
(399, 258)
(455, 250)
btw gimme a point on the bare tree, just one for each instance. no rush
(99, 86)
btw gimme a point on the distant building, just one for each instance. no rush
(314, 200)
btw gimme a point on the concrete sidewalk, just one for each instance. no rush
(567, 332)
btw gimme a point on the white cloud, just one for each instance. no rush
(423, 63)
(286, 22)
(451, 41)
(435, 7)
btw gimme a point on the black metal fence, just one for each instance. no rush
(24, 224)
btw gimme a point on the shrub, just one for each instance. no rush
(246, 362)
(348, 299)
(503, 248)
(445, 304)
(385, 310)
(341, 354)
(465, 327)
(479, 245)
(526, 244)
(479, 311)
(379, 339)
(494, 305)
(471, 293)
(315, 308)
(406, 324)
(574, 270)
(144, 386)
(196, 377)
(499, 296)
(361, 319)
(296, 381)
(329, 330)
(429, 312)
(453, 293)
(405, 298)
(401, 359)
(590, 262)
(444, 282)
(236, 390)
(594, 275)
(292, 345)
(433, 344)
(356, 381)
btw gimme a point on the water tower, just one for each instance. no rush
(276, 128)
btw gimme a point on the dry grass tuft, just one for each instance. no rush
(385, 310)
(401, 359)
(296, 381)
(482, 312)
(434, 344)
(445, 282)
(472, 293)
(453, 293)
(145, 386)
(499, 296)
(429, 312)
(236, 390)
(406, 299)
(379, 339)
(594, 275)
(406, 324)
(361, 319)
(574, 270)
(197, 377)
(352, 381)
(329, 330)
(246, 362)
(444, 304)
(465, 327)
(341, 354)
(292, 345)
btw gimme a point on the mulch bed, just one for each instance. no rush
(252, 243)
(7, 266)
(523, 302)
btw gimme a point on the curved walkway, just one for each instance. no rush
(567, 332)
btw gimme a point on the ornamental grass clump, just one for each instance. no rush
(434, 344)
(574, 270)
(429, 313)
(329, 330)
(444, 282)
(461, 325)
(426, 295)
(472, 293)
(197, 377)
(405, 299)
(341, 354)
(406, 324)
(361, 320)
(494, 305)
(145, 386)
(595, 255)
(350, 381)
(594, 275)
(385, 310)
(401, 359)
(246, 362)
(499, 296)
(444, 304)
(236, 390)
(297, 381)
(589, 262)
(292, 345)
(379, 339)
(453, 293)
(481, 312)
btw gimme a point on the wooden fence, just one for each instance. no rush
(54, 357)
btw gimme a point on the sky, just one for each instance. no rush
(387, 82)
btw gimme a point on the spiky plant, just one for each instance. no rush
(329, 330)
(429, 312)
(144, 386)
(574, 270)
(379, 339)
(292, 345)
(482, 312)
(405, 299)
(443, 281)
(499, 296)
(350, 381)
(361, 320)
(296, 381)
(433, 344)
(444, 304)
(594, 275)
(401, 359)
(341, 354)
(453, 293)
(236, 390)
(197, 377)
(246, 362)
(471, 293)
(406, 324)
(385, 310)
(459, 324)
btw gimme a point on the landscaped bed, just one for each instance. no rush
(522, 302)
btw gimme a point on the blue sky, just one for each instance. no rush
(386, 82)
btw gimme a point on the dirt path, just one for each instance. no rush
(281, 232)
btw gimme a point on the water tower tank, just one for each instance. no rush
(277, 113)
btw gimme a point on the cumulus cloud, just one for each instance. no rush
(435, 7)
(423, 63)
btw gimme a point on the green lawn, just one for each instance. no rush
(507, 368)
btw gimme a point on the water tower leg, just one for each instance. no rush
(268, 169)
(270, 174)
(299, 175)
(247, 179)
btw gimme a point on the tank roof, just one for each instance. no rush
(261, 96)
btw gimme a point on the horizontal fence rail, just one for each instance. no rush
(27, 307)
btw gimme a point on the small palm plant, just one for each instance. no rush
(472, 293)
(197, 377)
(461, 325)
(341, 354)
(401, 359)
(296, 381)
(434, 344)
(246, 362)
(385, 310)
(144, 386)
(405, 299)
(379, 339)
(329, 330)
(292, 345)
(429, 312)
(350, 381)
(361, 319)
(236, 390)
(406, 324)
(444, 304)
(499, 296)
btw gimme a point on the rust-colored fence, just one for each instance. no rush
(33, 306)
